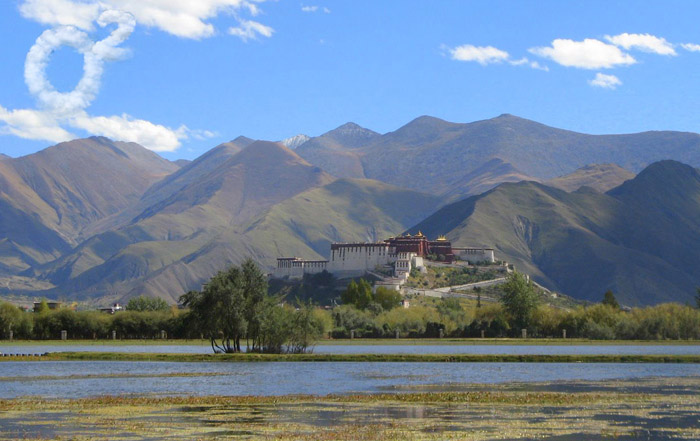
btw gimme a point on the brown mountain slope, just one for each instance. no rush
(186, 221)
(600, 177)
(85, 180)
(49, 198)
(171, 184)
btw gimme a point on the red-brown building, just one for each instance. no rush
(420, 245)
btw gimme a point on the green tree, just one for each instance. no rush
(519, 299)
(697, 298)
(218, 311)
(230, 308)
(143, 303)
(254, 287)
(387, 298)
(358, 294)
(10, 318)
(610, 300)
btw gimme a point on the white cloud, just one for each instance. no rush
(80, 14)
(183, 18)
(125, 128)
(326, 10)
(60, 109)
(587, 54)
(32, 124)
(642, 42)
(250, 30)
(692, 47)
(95, 54)
(481, 54)
(605, 81)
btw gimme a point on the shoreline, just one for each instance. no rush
(373, 342)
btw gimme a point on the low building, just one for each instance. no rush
(475, 255)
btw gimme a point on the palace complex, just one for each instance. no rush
(401, 252)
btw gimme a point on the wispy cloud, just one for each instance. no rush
(605, 81)
(643, 42)
(251, 30)
(691, 47)
(314, 8)
(481, 54)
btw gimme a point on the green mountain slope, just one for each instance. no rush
(642, 239)
(123, 263)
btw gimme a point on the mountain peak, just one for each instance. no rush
(295, 141)
(244, 141)
(667, 179)
(352, 129)
(351, 135)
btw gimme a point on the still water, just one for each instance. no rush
(380, 349)
(320, 378)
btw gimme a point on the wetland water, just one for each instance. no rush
(69, 379)
(554, 349)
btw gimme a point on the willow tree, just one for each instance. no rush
(228, 307)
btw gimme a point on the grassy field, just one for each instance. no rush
(403, 358)
(622, 410)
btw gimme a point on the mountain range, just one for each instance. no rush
(641, 239)
(101, 221)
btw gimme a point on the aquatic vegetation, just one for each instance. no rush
(652, 408)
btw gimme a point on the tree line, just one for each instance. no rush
(520, 307)
(235, 312)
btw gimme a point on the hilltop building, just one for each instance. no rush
(403, 253)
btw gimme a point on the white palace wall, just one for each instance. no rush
(348, 260)
(475, 255)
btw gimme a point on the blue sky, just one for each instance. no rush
(194, 74)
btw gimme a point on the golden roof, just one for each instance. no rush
(442, 238)
(420, 234)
